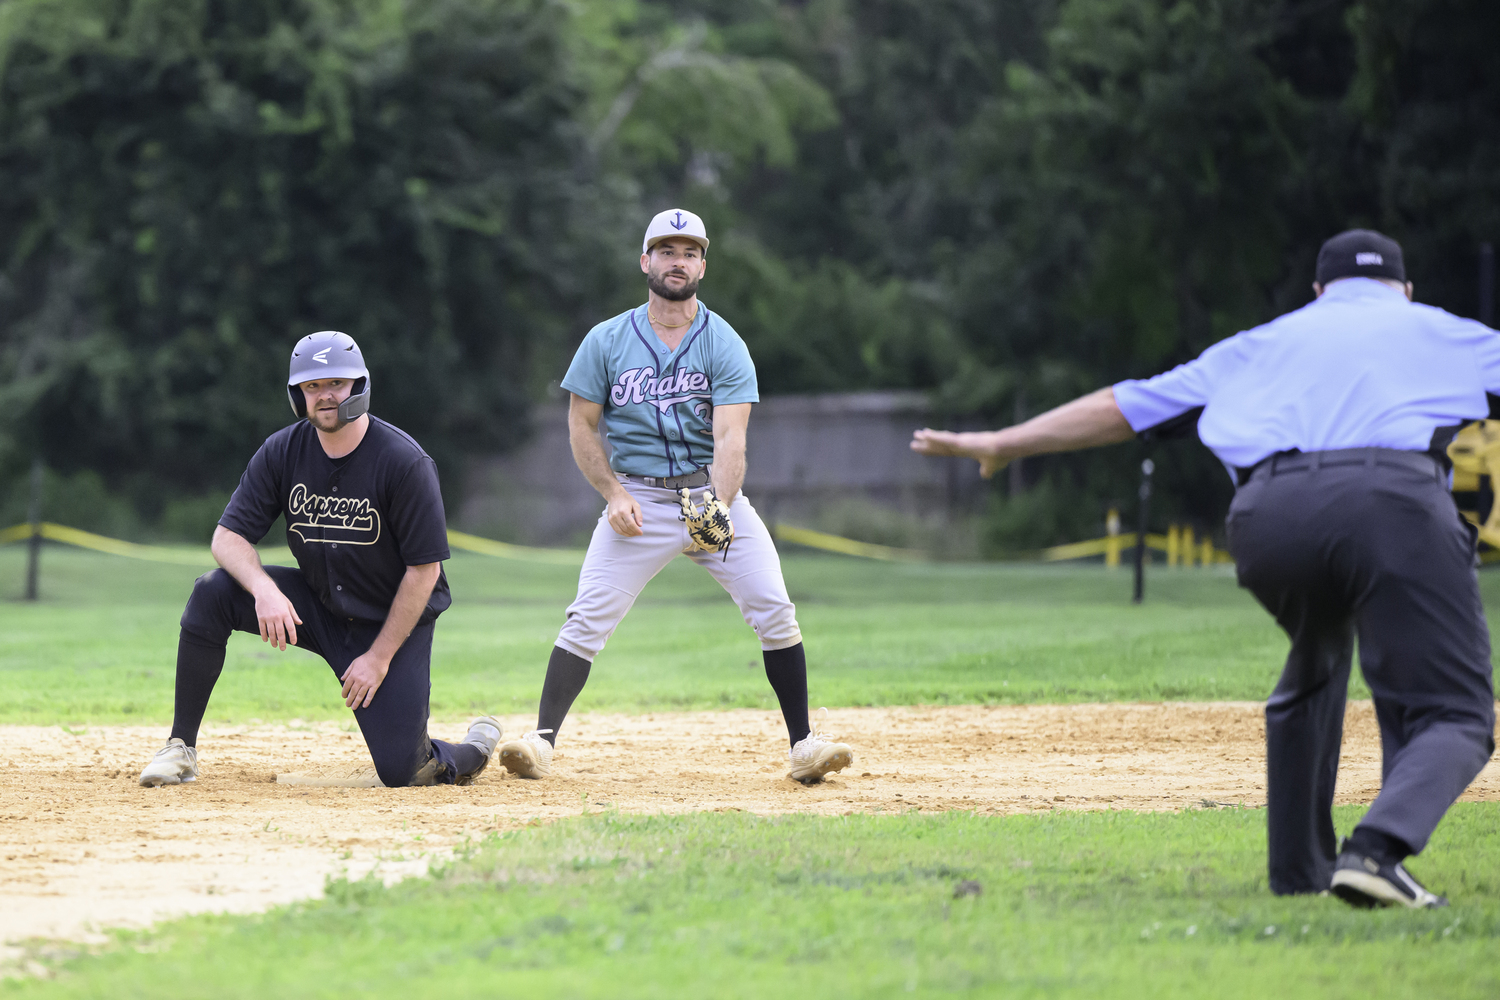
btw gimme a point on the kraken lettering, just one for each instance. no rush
(640, 385)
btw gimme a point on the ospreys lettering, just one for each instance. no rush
(334, 519)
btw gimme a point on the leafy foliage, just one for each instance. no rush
(1006, 203)
(196, 184)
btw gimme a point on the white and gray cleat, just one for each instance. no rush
(528, 757)
(483, 735)
(174, 764)
(815, 755)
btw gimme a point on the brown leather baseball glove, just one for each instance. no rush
(709, 526)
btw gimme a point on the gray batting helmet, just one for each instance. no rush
(329, 354)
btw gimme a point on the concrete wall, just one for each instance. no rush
(804, 453)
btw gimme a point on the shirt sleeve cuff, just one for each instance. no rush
(1142, 408)
(584, 391)
(249, 535)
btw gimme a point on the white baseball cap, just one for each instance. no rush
(675, 222)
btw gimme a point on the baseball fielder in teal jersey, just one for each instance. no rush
(674, 384)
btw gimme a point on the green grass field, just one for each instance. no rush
(100, 646)
(733, 906)
(1109, 904)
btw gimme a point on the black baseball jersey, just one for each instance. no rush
(354, 523)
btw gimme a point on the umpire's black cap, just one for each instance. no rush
(1360, 253)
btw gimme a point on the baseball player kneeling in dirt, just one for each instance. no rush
(365, 522)
(677, 384)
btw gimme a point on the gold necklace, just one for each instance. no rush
(671, 326)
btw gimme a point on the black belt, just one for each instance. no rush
(699, 478)
(1310, 461)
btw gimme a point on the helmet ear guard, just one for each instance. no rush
(358, 403)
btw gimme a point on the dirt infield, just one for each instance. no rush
(82, 847)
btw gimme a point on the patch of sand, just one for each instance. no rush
(83, 847)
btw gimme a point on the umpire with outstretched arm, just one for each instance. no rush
(1334, 420)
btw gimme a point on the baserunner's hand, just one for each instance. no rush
(278, 619)
(625, 514)
(363, 679)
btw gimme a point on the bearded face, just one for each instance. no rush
(674, 269)
(672, 284)
(323, 398)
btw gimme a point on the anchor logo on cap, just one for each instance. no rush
(681, 223)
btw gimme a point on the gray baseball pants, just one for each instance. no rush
(1364, 542)
(617, 568)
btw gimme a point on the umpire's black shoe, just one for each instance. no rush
(1364, 882)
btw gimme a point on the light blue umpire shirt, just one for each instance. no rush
(658, 403)
(1359, 367)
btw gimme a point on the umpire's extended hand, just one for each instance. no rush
(982, 445)
(1087, 421)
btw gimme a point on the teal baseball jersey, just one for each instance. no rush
(658, 404)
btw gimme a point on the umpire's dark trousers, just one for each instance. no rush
(1364, 542)
(395, 724)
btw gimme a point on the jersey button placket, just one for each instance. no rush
(333, 488)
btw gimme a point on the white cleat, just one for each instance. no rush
(815, 756)
(528, 757)
(174, 764)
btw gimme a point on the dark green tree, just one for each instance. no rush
(193, 184)
(1425, 101)
(1006, 202)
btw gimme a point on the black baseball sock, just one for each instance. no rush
(786, 669)
(467, 758)
(199, 663)
(1384, 848)
(566, 676)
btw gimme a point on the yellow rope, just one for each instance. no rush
(202, 557)
(505, 550)
(1125, 541)
(845, 546)
(113, 546)
(186, 556)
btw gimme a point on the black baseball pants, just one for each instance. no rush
(1364, 543)
(395, 724)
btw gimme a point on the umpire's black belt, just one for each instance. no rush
(699, 478)
(1310, 461)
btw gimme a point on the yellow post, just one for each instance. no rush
(1171, 545)
(1187, 546)
(1207, 555)
(1112, 539)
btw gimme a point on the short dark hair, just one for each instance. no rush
(1360, 253)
